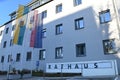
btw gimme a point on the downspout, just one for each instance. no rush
(117, 16)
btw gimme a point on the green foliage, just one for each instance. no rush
(42, 74)
(3, 72)
(24, 71)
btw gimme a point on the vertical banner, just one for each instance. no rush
(15, 39)
(36, 34)
(33, 33)
(38, 40)
(21, 33)
(20, 11)
(20, 25)
(30, 20)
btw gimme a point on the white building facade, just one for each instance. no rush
(72, 31)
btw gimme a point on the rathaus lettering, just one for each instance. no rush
(73, 66)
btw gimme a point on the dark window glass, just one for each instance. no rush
(5, 43)
(59, 8)
(79, 23)
(2, 59)
(13, 27)
(59, 29)
(77, 2)
(44, 33)
(59, 52)
(80, 50)
(9, 56)
(29, 55)
(7, 29)
(18, 57)
(44, 14)
(42, 54)
(109, 46)
(11, 42)
(105, 16)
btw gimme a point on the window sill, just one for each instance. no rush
(81, 56)
(59, 58)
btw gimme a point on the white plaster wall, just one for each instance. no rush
(92, 35)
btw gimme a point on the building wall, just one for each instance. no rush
(118, 2)
(1, 36)
(92, 35)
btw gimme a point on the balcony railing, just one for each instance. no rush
(38, 3)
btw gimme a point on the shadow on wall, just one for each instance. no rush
(92, 32)
(119, 12)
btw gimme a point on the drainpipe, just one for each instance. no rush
(117, 15)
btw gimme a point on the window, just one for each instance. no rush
(105, 16)
(44, 33)
(59, 8)
(7, 29)
(59, 29)
(9, 56)
(11, 42)
(79, 23)
(77, 2)
(1, 33)
(42, 54)
(80, 50)
(59, 52)
(13, 27)
(4, 45)
(18, 57)
(109, 46)
(29, 55)
(2, 59)
(44, 14)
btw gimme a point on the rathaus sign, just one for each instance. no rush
(90, 68)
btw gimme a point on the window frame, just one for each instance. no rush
(59, 29)
(102, 17)
(82, 47)
(78, 24)
(44, 14)
(44, 33)
(105, 48)
(11, 42)
(9, 56)
(60, 53)
(18, 57)
(76, 2)
(7, 30)
(13, 27)
(42, 54)
(4, 44)
(29, 56)
(59, 8)
(2, 59)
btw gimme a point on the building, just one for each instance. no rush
(53, 31)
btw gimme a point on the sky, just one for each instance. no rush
(7, 7)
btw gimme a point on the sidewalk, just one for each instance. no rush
(4, 77)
